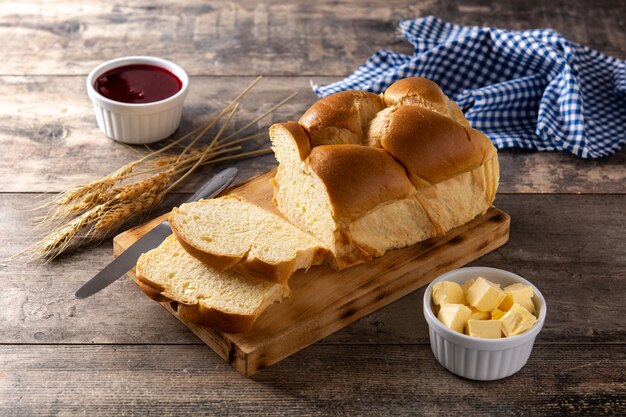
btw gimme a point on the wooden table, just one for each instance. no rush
(120, 353)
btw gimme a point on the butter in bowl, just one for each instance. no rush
(483, 321)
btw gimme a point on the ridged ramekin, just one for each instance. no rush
(138, 123)
(472, 357)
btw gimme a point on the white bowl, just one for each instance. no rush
(138, 123)
(476, 358)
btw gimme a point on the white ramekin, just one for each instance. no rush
(138, 123)
(475, 358)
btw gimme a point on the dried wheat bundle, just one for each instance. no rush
(95, 210)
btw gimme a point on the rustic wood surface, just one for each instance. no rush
(322, 380)
(323, 301)
(119, 353)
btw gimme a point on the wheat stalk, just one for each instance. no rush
(130, 201)
(145, 186)
(57, 241)
(96, 209)
(207, 150)
(119, 214)
(91, 190)
(82, 198)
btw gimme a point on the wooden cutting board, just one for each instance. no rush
(324, 301)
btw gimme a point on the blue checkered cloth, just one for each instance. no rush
(529, 89)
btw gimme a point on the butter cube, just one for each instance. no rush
(479, 315)
(484, 295)
(519, 291)
(528, 305)
(486, 329)
(507, 303)
(496, 314)
(447, 292)
(517, 320)
(454, 316)
(466, 285)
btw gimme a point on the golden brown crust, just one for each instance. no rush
(151, 289)
(358, 178)
(341, 118)
(416, 90)
(250, 267)
(348, 252)
(254, 268)
(410, 143)
(280, 272)
(215, 319)
(197, 313)
(221, 262)
(432, 147)
(300, 137)
(424, 93)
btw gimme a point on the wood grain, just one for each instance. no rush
(40, 140)
(323, 380)
(568, 245)
(247, 38)
(324, 301)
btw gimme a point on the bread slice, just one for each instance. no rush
(223, 300)
(232, 233)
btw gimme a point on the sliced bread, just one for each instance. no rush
(223, 300)
(232, 233)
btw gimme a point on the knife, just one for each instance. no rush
(128, 259)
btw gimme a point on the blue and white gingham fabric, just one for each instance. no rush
(529, 89)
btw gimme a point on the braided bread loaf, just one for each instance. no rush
(363, 173)
(366, 173)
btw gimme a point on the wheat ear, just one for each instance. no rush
(119, 214)
(57, 241)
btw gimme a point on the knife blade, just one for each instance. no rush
(128, 259)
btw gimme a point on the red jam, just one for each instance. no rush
(138, 83)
